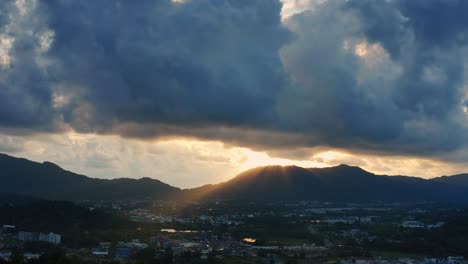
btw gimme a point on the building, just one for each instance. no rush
(436, 225)
(51, 238)
(123, 252)
(28, 236)
(412, 224)
(34, 236)
(5, 255)
(455, 259)
(7, 229)
(100, 252)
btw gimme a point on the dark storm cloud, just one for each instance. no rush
(202, 62)
(428, 40)
(25, 98)
(383, 22)
(440, 23)
(435, 32)
(327, 97)
(370, 76)
(410, 102)
(3, 13)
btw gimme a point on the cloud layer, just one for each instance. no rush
(365, 76)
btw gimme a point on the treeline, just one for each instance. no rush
(79, 226)
(449, 240)
(56, 216)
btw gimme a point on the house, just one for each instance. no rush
(100, 252)
(105, 244)
(34, 236)
(436, 225)
(123, 252)
(31, 256)
(137, 244)
(455, 260)
(5, 255)
(51, 238)
(28, 236)
(412, 224)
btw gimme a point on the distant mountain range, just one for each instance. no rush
(340, 183)
(271, 183)
(49, 181)
(459, 179)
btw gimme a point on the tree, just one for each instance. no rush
(17, 256)
(54, 256)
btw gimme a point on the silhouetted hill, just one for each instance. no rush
(15, 199)
(271, 183)
(458, 180)
(49, 181)
(340, 183)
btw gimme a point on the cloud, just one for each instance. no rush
(182, 163)
(365, 76)
(370, 79)
(11, 144)
(192, 163)
(25, 98)
(196, 63)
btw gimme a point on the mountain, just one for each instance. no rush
(271, 183)
(340, 183)
(16, 199)
(49, 181)
(458, 180)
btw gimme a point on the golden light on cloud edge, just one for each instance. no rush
(188, 163)
(243, 158)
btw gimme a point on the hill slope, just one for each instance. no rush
(49, 181)
(458, 180)
(340, 183)
(271, 183)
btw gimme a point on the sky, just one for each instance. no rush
(193, 92)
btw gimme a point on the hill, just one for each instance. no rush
(271, 183)
(15, 199)
(49, 181)
(340, 183)
(458, 180)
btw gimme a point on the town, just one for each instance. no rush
(238, 232)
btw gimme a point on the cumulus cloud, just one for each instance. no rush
(193, 63)
(182, 163)
(25, 97)
(11, 144)
(367, 76)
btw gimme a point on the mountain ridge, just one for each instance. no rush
(338, 183)
(459, 179)
(49, 181)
